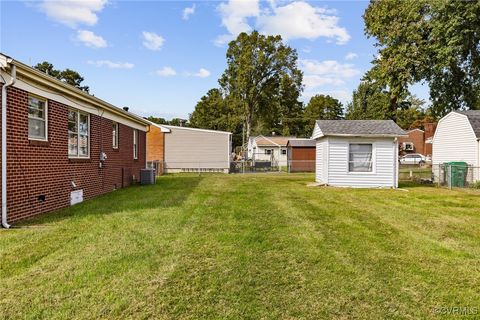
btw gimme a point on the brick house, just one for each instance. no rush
(418, 140)
(63, 145)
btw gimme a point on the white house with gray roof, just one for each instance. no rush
(357, 153)
(457, 138)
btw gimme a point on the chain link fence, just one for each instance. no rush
(450, 175)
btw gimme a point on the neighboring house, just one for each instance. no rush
(156, 147)
(183, 149)
(301, 155)
(418, 140)
(357, 153)
(273, 149)
(63, 145)
(457, 139)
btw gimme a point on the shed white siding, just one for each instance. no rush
(333, 156)
(193, 150)
(455, 140)
(321, 161)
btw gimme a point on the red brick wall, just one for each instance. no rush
(418, 139)
(43, 168)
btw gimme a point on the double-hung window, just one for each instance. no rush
(78, 134)
(360, 157)
(135, 144)
(37, 118)
(115, 135)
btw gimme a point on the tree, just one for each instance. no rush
(157, 120)
(433, 41)
(215, 112)
(322, 107)
(255, 78)
(369, 101)
(210, 111)
(68, 76)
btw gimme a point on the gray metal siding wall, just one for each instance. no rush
(193, 149)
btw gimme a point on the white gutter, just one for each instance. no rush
(4, 146)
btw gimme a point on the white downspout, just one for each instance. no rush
(4, 146)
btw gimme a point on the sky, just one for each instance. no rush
(160, 57)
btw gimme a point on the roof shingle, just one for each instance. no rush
(360, 128)
(474, 119)
(302, 143)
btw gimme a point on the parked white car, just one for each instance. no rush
(413, 159)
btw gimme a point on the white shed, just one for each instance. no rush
(457, 139)
(357, 153)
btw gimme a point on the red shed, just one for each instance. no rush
(301, 155)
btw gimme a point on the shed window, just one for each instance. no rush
(360, 157)
(37, 118)
(115, 135)
(78, 134)
(135, 144)
(284, 151)
(268, 151)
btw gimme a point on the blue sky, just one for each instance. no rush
(160, 57)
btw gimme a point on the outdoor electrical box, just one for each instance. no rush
(147, 176)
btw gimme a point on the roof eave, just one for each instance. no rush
(46, 80)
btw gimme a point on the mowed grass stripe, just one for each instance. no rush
(246, 246)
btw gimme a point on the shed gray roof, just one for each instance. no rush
(474, 119)
(360, 128)
(302, 143)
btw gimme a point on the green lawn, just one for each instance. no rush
(246, 246)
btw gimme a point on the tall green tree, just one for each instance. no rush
(369, 101)
(257, 66)
(215, 112)
(321, 107)
(69, 76)
(423, 40)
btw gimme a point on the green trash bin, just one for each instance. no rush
(456, 173)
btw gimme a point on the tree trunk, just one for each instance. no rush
(393, 107)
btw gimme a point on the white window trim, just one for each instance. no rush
(117, 136)
(374, 159)
(46, 118)
(78, 135)
(135, 144)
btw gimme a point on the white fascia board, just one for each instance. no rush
(195, 129)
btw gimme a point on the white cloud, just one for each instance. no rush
(313, 81)
(152, 40)
(73, 12)
(202, 73)
(324, 76)
(301, 20)
(294, 20)
(329, 67)
(166, 72)
(351, 56)
(90, 39)
(188, 11)
(111, 65)
(235, 14)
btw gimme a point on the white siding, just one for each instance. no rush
(384, 166)
(316, 132)
(321, 161)
(277, 154)
(187, 150)
(455, 140)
